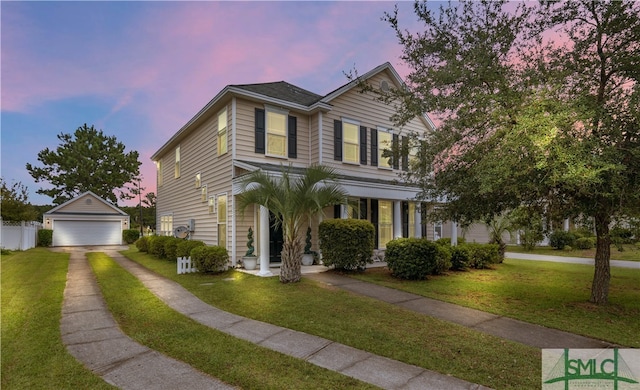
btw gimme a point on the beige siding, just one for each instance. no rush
(180, 197)
(245, 141)
(87, 204)
(360, 107)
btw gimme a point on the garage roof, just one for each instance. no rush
(86, 203)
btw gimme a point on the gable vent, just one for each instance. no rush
(384, 86)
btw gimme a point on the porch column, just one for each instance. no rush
(397, 219)
(264, 242)
(417, 222)
(454, 233)
(344, 211)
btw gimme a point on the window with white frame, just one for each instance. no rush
(203, 192)
(212, 205)
(159, 172)
(222, 132)
(412, 219)
(177, 165)
(385, 222)
(350, 142)
(385, 142)
(437, 231)
(222, 220)
(198, 180)
(276, 129)
(166, 225)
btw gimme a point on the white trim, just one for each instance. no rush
(233, 128)
(320, 137)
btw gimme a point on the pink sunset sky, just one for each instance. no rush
(140, 70)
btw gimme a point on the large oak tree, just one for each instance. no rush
(87, 160)
(539, 108)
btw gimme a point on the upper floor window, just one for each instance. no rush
(211, 204)
(198, 180)
(350, 142)
(276, 133)
(222, 132)
(203, 193)
(177, 166)
(159, 172)
(385, 141)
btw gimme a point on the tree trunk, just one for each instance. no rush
(602, 274)
(290, 271)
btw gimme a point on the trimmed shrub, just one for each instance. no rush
(460, 257)
(559, 239)
(156, 246)
(446, 241)
(346, 243)
(45, 237)
(210, 258)
(130, 235)
(415, 258)
(170, 248)
(585, 242)
(482, 255)
(185, 246)
(143, 243)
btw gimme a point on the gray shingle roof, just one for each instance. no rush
(282, 90)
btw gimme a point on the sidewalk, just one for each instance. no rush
(93, 337)
(571, 260)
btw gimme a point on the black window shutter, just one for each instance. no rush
(374, 219)
(363, 145)
(337, 211)
(337, 140)
(260, 130)
(405, 153)
(374, 148)
(293, 137)
(363, 208)
(405, 219)
(395, 152)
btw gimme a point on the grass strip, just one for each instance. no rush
(33, 355)
(550, 294)
(364, 323)
(149, 321)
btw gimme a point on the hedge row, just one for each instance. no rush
(416, 258)
(205, 258)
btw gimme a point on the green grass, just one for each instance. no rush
(33, 356)
(149, 321)
(630, 253)
(363, 323)
(551, 294)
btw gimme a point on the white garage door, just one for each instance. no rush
(76, 233)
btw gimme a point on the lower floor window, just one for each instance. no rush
(385, 222)
(166, 225)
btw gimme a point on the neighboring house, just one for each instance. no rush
(265, 126)
(86, 220)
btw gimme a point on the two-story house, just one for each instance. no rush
(264, 126)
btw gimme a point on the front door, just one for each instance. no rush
(276, 240)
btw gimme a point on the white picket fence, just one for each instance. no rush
(19, 235)
(185, 266)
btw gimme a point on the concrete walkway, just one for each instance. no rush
(504, 327)
(570, 260)
(93, 337)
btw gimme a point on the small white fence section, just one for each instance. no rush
(19, 235)
(185, 266)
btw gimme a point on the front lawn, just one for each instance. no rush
(33, 356)
(364, 323)
(630, 253)
(551, 294)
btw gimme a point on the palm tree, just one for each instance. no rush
(294, 200)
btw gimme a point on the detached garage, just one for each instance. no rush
(86, 220)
